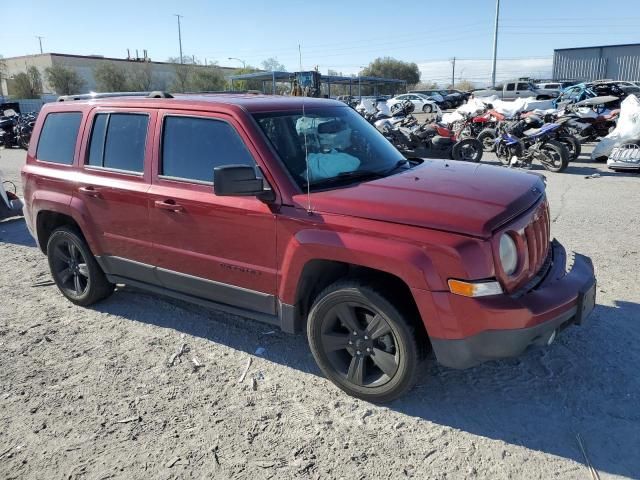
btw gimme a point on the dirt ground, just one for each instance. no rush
(89, 392)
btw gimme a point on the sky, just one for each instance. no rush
(337, 35)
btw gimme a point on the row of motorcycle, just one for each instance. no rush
(16, 129)
(434, 140)
(552, 139)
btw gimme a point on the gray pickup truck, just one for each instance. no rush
(517, 89)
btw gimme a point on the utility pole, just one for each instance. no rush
(495, 45)
(453, 72)
(179, 34)
(40, 40)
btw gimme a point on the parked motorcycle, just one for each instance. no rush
(433, 140)
(591, 119)
(16, 129)
(519, 145)
(10, 204)
(563, 134)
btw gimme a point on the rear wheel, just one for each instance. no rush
(74, 268)
(362, 342)
(557, 156)
(468, 150)
(572, 144)
(427, 108)
(487, 137)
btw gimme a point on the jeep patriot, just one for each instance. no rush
(298, 213)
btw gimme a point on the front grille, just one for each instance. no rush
(537, 237)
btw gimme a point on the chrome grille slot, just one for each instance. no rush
(537, 236)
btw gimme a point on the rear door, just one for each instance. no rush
(218, 248)
(523, 90)
(112, 189)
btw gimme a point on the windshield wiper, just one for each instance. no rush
(355, 175)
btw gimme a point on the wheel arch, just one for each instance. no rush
(49, 220)
(318, 274)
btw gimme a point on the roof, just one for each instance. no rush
(249, 102)
(598, 46)
(110, 59)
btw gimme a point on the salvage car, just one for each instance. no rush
(298, 213)
(516, 89)
(421, 103)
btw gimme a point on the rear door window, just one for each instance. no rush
(57, 142)
(192, 147)
(118, 141)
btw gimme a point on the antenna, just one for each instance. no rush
(306, 148)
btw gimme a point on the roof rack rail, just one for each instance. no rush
(94, 95)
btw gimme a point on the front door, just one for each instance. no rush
(218, 248)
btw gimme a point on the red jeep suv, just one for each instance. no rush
(298, 213)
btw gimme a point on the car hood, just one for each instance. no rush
(467, 198)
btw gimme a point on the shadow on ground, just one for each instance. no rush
(585, 383)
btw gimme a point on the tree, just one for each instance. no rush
(140, 77)
(27, 84)
(110, 77)
(204, 79)
(387, 67)
(65, 81)
(182, 76)
(273, 65)
(465, 85)
(425, 86)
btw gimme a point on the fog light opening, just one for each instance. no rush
(552, 337)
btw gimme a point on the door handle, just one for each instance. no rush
(89, 191)
(169, 205)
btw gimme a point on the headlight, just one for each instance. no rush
(508, 254)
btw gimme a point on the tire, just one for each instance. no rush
(427, 108)
(558, 152)
(345, 312)
(468, 150)
(487, 138)
(573, 146)
(74, 268)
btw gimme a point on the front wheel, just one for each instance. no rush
(74, 268)
(362, 342)
(556, 156)
(427, 108)
(468, 150)
(487, 137)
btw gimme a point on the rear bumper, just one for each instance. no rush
(503, 326)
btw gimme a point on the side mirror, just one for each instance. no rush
(239, 180)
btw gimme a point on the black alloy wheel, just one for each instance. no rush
(74, 268)
(362, 343)
(70, 268)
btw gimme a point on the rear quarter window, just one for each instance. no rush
(57, 142)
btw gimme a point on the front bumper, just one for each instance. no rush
(628, 166)
(506, 325)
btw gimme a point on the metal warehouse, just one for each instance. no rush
(615, 62)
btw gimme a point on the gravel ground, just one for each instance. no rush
(88, 392)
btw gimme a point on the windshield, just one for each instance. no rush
(342, 146)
